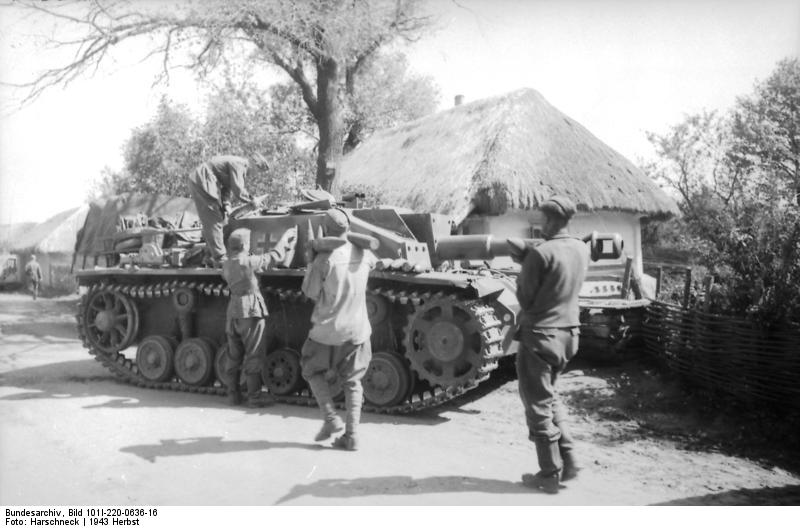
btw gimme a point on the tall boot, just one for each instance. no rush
(234, 392)
(331, 423)
(547, 479)
(570, 466)
(255, 397)
(353, 393)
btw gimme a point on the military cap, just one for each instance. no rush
(559, 206)
(239, 240)
(336, 222)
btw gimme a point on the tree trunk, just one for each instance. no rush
(330, 120)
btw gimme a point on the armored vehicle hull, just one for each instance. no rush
(435, 334)
(438, 330)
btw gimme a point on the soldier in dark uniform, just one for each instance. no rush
(547, 289)
(212, 185)
(34, 273)
(245, 325)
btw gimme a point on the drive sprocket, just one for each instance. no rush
(451, 342)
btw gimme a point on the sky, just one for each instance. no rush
(619, 67)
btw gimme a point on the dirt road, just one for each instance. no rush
(71, 434)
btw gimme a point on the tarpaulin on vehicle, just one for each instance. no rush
(107, 217)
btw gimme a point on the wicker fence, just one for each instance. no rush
(726, 354)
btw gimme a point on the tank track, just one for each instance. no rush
(127, 371)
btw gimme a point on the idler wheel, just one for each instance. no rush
(444, 342)
(155, 358)
(194, 361)
(111, 321)
(281, 372)
(387, 381)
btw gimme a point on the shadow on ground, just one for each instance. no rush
(208, 445)
(400, 485)
(48, 332)
(640, 401)
(24, 307)
(87, 378)
(782, 496)
(504, 373)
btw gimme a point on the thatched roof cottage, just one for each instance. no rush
(490, 163)
(53, 242)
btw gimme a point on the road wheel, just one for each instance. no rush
(194, 361)
(388, 380)
(155, 358)
(281, 372)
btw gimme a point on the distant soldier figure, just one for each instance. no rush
(245, 325)
(34, 273)
(547, 289)
(212, 185)
(338, 351)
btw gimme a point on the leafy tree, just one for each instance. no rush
(322, 45)
(158, 153)
(694, 160)
(386, 95)
(737, 179)
(766, 128)
(242, 119)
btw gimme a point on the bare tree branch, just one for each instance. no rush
(334, 37)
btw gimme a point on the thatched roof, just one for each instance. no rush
(55, 235)
(506, 152)
(9, 232)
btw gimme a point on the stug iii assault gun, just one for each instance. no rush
(156, 319)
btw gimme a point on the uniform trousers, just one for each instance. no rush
(542, 357)
(35, 289)
(209, 209)
(327, 368)
(246, 345)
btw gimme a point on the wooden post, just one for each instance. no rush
(709, 283)
(687, 287)
(626, 278)
(659, 278)
(636, 286)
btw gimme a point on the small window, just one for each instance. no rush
(536, 231)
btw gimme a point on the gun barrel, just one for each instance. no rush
(459, 247)
(485, 247)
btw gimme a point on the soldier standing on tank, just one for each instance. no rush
(34, 273)
(547, 289)
(212, 185)
(245, 324)
(337, 350)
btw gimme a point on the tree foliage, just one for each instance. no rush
(738, 183)
(322, 45)
(386, 95)
(766, 128)
(242, 118)
(157, 153)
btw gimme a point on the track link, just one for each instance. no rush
(126, 370)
